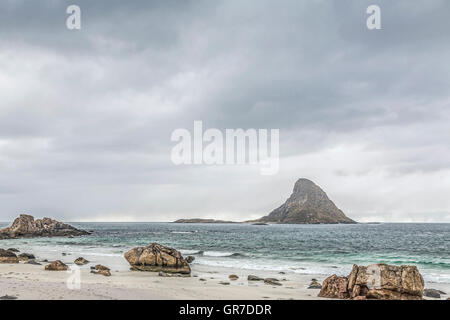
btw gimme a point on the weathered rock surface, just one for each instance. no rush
(254, 278)
(100, 269)
(378, 281)
(156, 257)
(81, 261)
(56, 266)
(272, 281)
(308, 204)
(7, 256)
(26, 257)
(433, 293)
(26, 227)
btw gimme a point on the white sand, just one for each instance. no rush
(33, 282)
(27, 281)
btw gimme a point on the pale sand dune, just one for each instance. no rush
(33, 282)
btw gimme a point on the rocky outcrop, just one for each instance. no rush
(156, 257)
(433, 293)
(26, 227)
(378, 281)
(7, 256)
(56, 266)
(308, 204)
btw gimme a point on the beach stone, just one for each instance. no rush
(190, 259)
(56, 266)
(7, 297)
(156, 257)
(378, 281)
(26, 257)
(334, 287)
(81, 261)
(33, 262)
(254, 278)
(25, 226)
(100, 269)
(233, 277)
(7, 256)
(433, 293)
(224, 283)
(13, 250)
(272, 281)
(315, 284)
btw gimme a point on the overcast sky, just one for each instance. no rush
(86, 115)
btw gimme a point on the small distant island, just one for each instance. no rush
(202, 221)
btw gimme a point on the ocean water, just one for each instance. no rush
(307, 249)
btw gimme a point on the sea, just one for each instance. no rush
(303, 249)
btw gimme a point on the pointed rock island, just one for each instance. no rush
(26, 227)
(308, 204)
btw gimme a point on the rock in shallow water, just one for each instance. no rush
(156, 257)
(25, 226)
(100, 269)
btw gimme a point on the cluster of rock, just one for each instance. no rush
(308, 204)
(378, 281)
(26, 227)
(156, 258)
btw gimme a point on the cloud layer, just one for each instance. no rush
(86, 116)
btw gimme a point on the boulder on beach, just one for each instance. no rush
(233, 277)
(56, 266)
(26, 257)
(378, 281)
(7, 256)
(26, 227)
(155, 258)
(190, 259)
(81, 261)
(254, 278)
(433, 293)
(100, 269)
(272, 281)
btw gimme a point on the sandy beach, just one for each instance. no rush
(26, 281)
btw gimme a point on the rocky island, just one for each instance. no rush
(26, 227)
(308, 204)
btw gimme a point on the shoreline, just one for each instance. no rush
(26, 281)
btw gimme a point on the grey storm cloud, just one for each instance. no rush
(86, 115)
